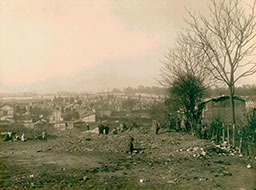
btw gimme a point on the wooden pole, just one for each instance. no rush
(228, 133)
(223, 132)
(240, 146)
(234, 131)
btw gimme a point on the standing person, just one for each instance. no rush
(88, 127)
(157, 128)
(44, 135)
(23, 137)
(124, 127)
(106, 129)
(131, 145)
(101, 129)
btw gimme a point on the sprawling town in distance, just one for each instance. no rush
(66, 109)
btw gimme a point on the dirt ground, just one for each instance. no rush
(80, 160)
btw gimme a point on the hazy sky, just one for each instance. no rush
(50, 45)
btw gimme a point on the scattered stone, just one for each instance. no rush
(84, 179)
(171, 181)
(203, 153)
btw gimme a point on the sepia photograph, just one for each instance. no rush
(128, 94)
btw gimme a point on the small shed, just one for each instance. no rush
(220, 108)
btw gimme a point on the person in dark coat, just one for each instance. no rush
(124, 127)
(106, 129)
(131, 145)
(101, 129)
(157, 128)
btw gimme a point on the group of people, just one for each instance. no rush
(123, 127)
(103, 129)
(11, 136)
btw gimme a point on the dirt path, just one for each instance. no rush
(242, 177)
(167, 161)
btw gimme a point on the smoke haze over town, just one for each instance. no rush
(48, 46)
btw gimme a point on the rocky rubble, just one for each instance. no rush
(224, 149)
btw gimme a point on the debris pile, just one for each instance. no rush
(194, 152)
(224, 149)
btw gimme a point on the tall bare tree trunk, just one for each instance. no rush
(232, 104)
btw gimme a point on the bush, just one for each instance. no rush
(249, 127)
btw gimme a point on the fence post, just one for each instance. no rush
(228, 133)
(234, 132)
(240, 146)
(223, 132)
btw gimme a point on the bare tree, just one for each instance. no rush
(227, 38)
(185, 77)
(184, 57)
